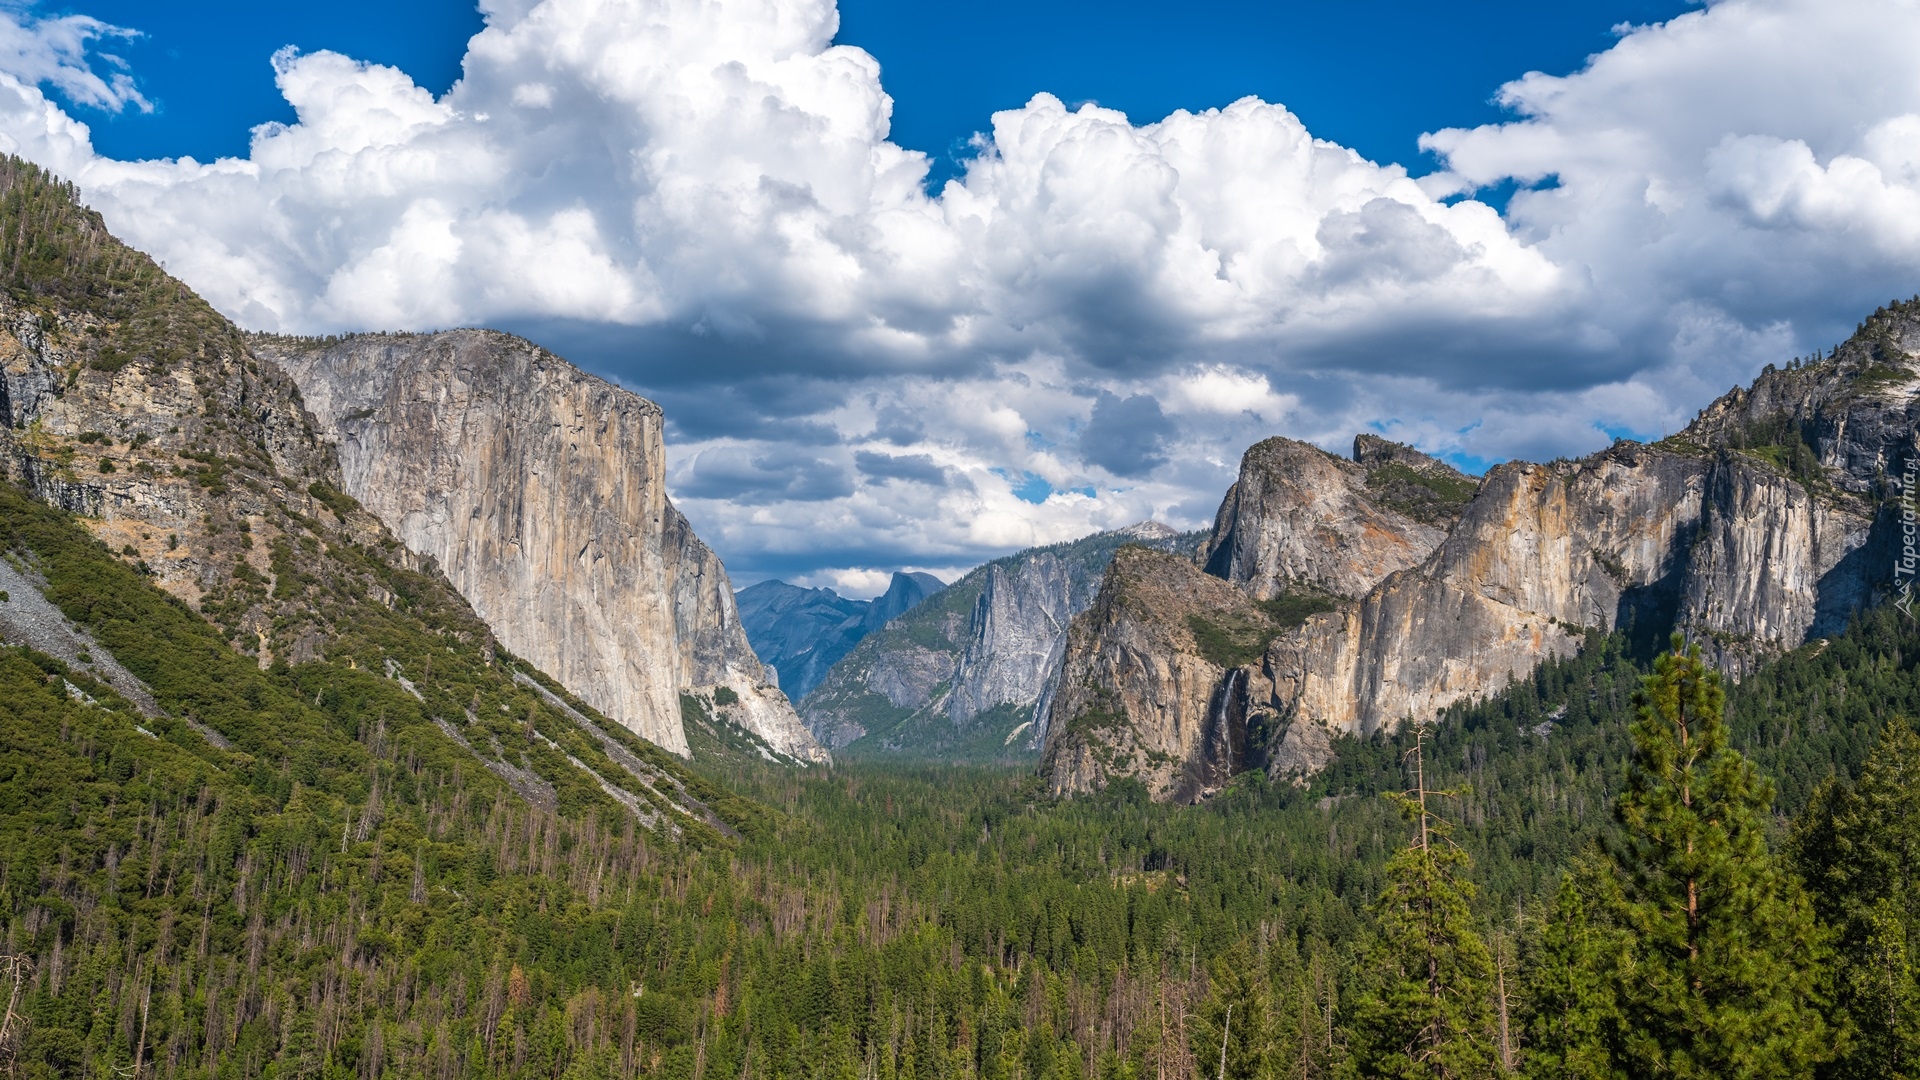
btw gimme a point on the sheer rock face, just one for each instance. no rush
(1706, 532)
(1299, 517)
(1767, 522)
(991, 641)
(1016, 633)
(540, 492)
(1137, 696)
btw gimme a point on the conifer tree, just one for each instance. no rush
(1234, 1030)
(1722, 969)
(1572, 1009)
(1432, 1016)
(1858, 845)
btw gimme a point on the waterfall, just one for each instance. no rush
(1221, 733)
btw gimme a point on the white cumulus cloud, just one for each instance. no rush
(1086, 326)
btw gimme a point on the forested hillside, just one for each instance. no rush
(342, 894)
(336, 832)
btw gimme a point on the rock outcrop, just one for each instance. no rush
(138, 407)
(1416, 485)
(1768, 521)
(1693, 535)
(1150, 687)
(1301, 519)
(968, 673)
(802, 633)
(540, 492)
(129, 403)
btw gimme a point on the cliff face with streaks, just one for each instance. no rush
(1149, 686)
(540, 492)
(1767, 522)
(968, 673)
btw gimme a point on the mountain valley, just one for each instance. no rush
(368, 709)
(967, 674)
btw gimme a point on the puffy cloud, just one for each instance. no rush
(1739, 168)
(56, 52)
(1225, 390)
(699, 197)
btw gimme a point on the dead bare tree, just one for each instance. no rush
(15, 969)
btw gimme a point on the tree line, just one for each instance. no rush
(1618, 867)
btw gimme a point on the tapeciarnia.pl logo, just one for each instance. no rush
(1905, 566)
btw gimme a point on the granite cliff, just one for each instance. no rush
(802, 633)
(968, 673)
(1766, 522)
(131, 406)
(1300, 519)
(540, 492)
(1152, 684)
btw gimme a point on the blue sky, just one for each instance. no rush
(1373, 76)
(1495, 230)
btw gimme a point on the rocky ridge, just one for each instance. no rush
(540, 491)
(1763, 524)
(133, 408)
(968, 673)
(802, 633)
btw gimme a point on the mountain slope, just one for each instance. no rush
(1766, 523)
(802, 633)
(966, 675)
(541, 492)
(133, 406)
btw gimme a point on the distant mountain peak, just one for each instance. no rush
(1149, 530)
(801, 633)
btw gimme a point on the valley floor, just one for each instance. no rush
(342, 896)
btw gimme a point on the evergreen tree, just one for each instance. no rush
(1722, 969)
(1431, 1017)
(1572, 1010)
(1234, 1033)
(1858, 846)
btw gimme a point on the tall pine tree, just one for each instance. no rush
(1573, 1012)
(1721, 970)
(1431, 1017)
(1858, 845)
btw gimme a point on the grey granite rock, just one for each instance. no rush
(540, 492)
(1301, 518)
(988, 647)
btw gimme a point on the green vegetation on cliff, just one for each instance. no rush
(347, 893)
(405, 854)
